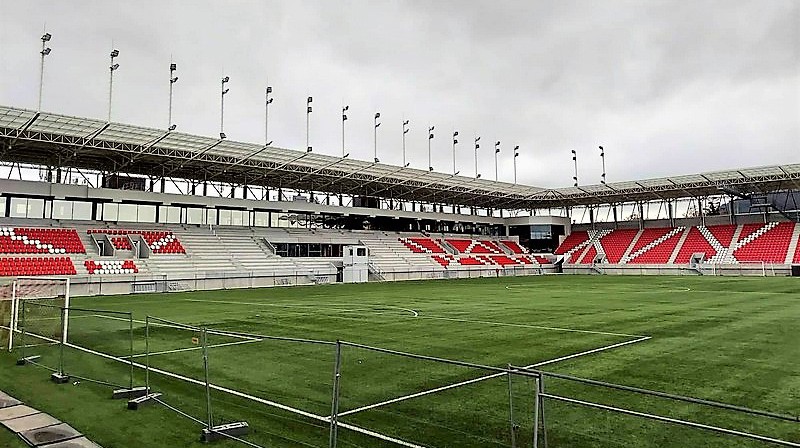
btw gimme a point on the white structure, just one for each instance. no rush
(355, 264)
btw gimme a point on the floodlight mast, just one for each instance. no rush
(112, 68)
(308, 122)
(430, 137)
(172, 80)
(405, 131)
(603, 158)
(223, 92)
(344, 118)
(496, 152)
(516, 154)
(377, 124)
(477, 146)
(45, 51)
(575, 163)
(267, 102)
(455, 142)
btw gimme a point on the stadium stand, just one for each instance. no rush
(616, 243)
(514, 247)
(159, 241)
(111, 267)
(574, 241)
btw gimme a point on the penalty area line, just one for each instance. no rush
(488, 377)
(189, 349)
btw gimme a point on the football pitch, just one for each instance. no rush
(270, 356)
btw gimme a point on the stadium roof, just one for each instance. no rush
(47, 139)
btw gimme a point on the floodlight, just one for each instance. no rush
(377, 115)
(114, 53)
(269, 89)
(46, 37)
(226, 91)
(269, 143)
(172, 127)
(114, 67)
(173, 66)
(226, 79)
(222, 136)
(46, 51)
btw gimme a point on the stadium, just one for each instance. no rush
(165, 288)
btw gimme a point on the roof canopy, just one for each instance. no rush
(60, 140)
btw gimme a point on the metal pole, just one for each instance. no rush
(541, 410)
(516, 154)
(377, 115)
(575, 162)
(172, 80)
(496, 152)
(267, 102)
(536, 402)
(337, 373)
(344, 118)
(603, 158)
(113, 67)
(308, 122)
(477, 145)
(45, 52)
(405, 131)
(511, 409)
(455, 141)
(430, 137)
(61, 345)
(204, 335)
(147, 354)
(130, 357)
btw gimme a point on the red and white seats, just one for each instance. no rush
(422, 245)
(14, 266)
(160, 241)
(106, 267)
(464, 246)
(727, 244)
(514, 247)
(572, 242)
(24, 240)
(121, 242)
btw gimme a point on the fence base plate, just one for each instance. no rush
(135, 403)
(59, 378)
(136, 392)
(219, 432)
(27, 359)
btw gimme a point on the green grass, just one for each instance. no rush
(733, 340)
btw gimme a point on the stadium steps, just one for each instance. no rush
(725, 253)
(653, 244)
(594, 240)
(679, 246)
(635, 240)
(793, 254)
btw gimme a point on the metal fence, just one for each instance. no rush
(338, 393)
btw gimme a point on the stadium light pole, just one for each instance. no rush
(223, 92)
(377, 116)
(172, 80)
(45, 51)
(516, 154)
(575, 162)
(405, 131)
(308, 122)
(344, 118)
(455, 142)
(477, 146)
(496, 152)
(603, 158)
(267, 102)
(430, 137)
(112, 68)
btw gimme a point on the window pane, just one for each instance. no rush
(194, 216)
(35, 208)
(110, 211)
(82, 210)
(62, 209)
(127, 212)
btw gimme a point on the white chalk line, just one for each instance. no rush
(316, 307)
(535, 327)
(236, 393)
(488, 377)
(189, 349)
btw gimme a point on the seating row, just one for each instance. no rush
(159, 241)
(24, 240)
(104, 267)
(13, 266)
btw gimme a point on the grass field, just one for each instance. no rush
(733, 340)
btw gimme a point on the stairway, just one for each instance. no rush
(679, 246)
(653, 244)
(793, 244)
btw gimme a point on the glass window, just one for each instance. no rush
(128, 212)
(194, 216)
(362, 251)
(19, 208)
(110, 211)
(62, 209)
(211, 216)
(2, 206)
(238, 217)
(35, 208)
(82, 210)
(261, 219)
(169, 214)
(147, 213)
(224, 217)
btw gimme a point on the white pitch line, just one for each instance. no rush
(158, 324)
(189, 349)
(245, 396)
(488, 377)
(317, 306)
(537, 327)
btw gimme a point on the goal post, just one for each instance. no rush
(52, 291)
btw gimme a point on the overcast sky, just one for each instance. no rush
(666, 87)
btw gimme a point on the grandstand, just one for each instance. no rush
(290, 223)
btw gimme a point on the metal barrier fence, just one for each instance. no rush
(338, 393)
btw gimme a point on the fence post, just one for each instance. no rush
(536, 401)
(130, 355)
(541, 409)
(147, 353)
(62, 341)
(22, 333)
(511, 409)
(337, 373)
(204, 336)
